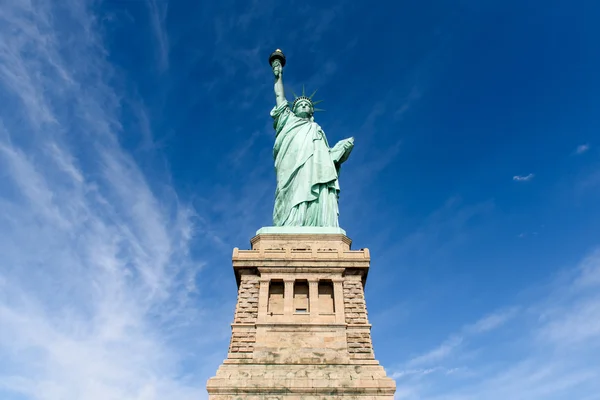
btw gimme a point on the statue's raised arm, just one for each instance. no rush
(307, 168)
(277, 61)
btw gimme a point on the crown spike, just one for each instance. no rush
(317, 102)
(318, 109)
(311, 96)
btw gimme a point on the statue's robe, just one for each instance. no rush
(307, 172)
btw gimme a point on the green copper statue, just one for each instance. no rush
(307, 168)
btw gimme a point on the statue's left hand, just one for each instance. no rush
(348, 144)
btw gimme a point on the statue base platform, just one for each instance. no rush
(299, 230)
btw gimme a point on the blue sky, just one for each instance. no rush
(136, 152)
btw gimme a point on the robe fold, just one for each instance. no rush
(307, 176)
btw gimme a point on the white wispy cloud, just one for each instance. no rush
(545, 349)
(95, 268)
(408, 102)
(431, 360)
(582, 148)
(491, 321)
(439, 353)
(158, 15)
(523, 178)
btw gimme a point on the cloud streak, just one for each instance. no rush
(544, 349)
(491, 321)
(158, 16)
(96, 267)
(523, 178)
(439, 353)
(582, 148)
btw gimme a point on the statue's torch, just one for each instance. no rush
(277, 55)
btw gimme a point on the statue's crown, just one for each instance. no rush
(306, 98)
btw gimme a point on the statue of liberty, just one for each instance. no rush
(307, 168)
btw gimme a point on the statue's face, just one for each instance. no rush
(303, 109)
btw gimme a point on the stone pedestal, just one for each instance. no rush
(300, 329)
